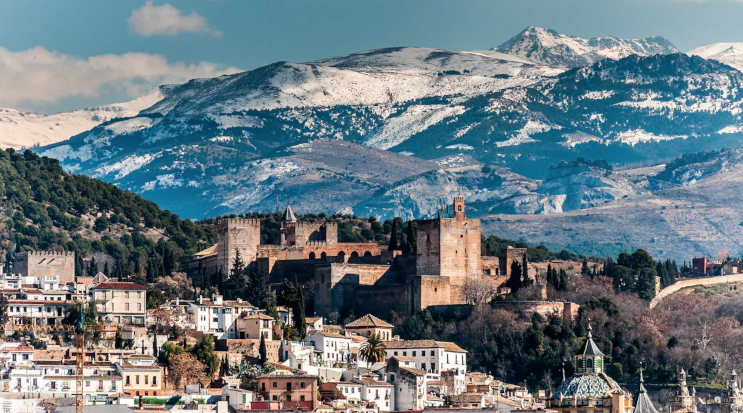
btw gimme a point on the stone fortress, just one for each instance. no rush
(362, 276)
(46, 264)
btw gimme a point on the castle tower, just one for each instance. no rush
(449, 247)
(459, 214)
(237, 234)
(288, 227)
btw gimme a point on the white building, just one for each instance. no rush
(121, 302)
(381, 393)
(440, 357)
(217, 316)
(102, 379)
(13, 354)
(334, 349)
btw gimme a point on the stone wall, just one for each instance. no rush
(696, 282)
(42, 264)
(546, 309)
(379, 300)
(430, 290)
(336, 284)
(315, 231)
(428, 237)
(237, 233)
(450, 248)
(508, 256)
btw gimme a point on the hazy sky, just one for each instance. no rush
(60, 55)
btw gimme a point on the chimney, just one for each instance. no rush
(201, 300)
(177, 301)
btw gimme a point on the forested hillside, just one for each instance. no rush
(44, 208)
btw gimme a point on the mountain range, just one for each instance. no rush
(394, 131)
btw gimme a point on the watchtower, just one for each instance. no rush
(237, 234)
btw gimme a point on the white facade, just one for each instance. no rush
(58, 377)
(334, 349)
(379, 392)
(437, 357)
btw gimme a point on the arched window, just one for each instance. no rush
(367, 254)
(323, 255)
(354, 254)
(459, 208)
(342, 256)
(312, 255)
(589, 363)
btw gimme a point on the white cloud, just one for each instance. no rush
(150, 20)
(40, 76)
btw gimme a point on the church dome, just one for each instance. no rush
(587, 386)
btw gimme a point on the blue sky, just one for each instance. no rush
(62, 55)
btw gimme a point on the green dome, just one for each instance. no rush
(586, 386)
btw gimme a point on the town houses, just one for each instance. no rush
(143, 349)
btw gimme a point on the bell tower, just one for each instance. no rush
(459, 208)
(591, 359)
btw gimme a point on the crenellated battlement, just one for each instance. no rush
(50, 253)
(458, 199)
(315, 243)
(239, 221)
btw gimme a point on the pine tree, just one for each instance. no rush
(262, 352)
(238, 266)
(393, 236)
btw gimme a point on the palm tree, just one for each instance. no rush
(373, 350)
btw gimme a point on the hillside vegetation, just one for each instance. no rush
(45, 208)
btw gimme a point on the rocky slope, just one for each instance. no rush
(28, 129)
(210, 138)
(555, 49)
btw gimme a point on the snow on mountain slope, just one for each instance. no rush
(27, 129)
(552, 48)
(729, 53)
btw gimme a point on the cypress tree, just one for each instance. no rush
(302, 321)
(412, 241)
(154, 345)
(262, 352)
(514, 281)
(393, 236)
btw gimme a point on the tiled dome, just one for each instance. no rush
(586, 386)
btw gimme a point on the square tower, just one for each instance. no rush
(241, 234)
(449, 247)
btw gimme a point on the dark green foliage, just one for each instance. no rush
(393, 237)
(636, 273)
(36, 189)
(204, 352)
(262, 352)
(3, 309)
(155, 298)
(514, 281)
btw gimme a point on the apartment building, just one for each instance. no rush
(121, 302)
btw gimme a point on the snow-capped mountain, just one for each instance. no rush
(28, 129)
(232, 143)
(729, 53)
(556, 49)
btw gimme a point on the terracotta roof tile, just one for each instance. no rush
(119, 285)
(369, 321)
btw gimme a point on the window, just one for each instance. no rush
(395, 353)
(288, 387)
(301, 398)
(128, 381)
(404, 353)
(423, 366)
(274, 385)
(139, 294)
(288, 398)
(413, 353)
(433, 366)
(137, 379)
(154, 380)
(139, 306)
(146, 379)
(302, 385)
(274, 397)
(126, 294)
(126, 306)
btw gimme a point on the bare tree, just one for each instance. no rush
(704, 339)
(478, 291)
